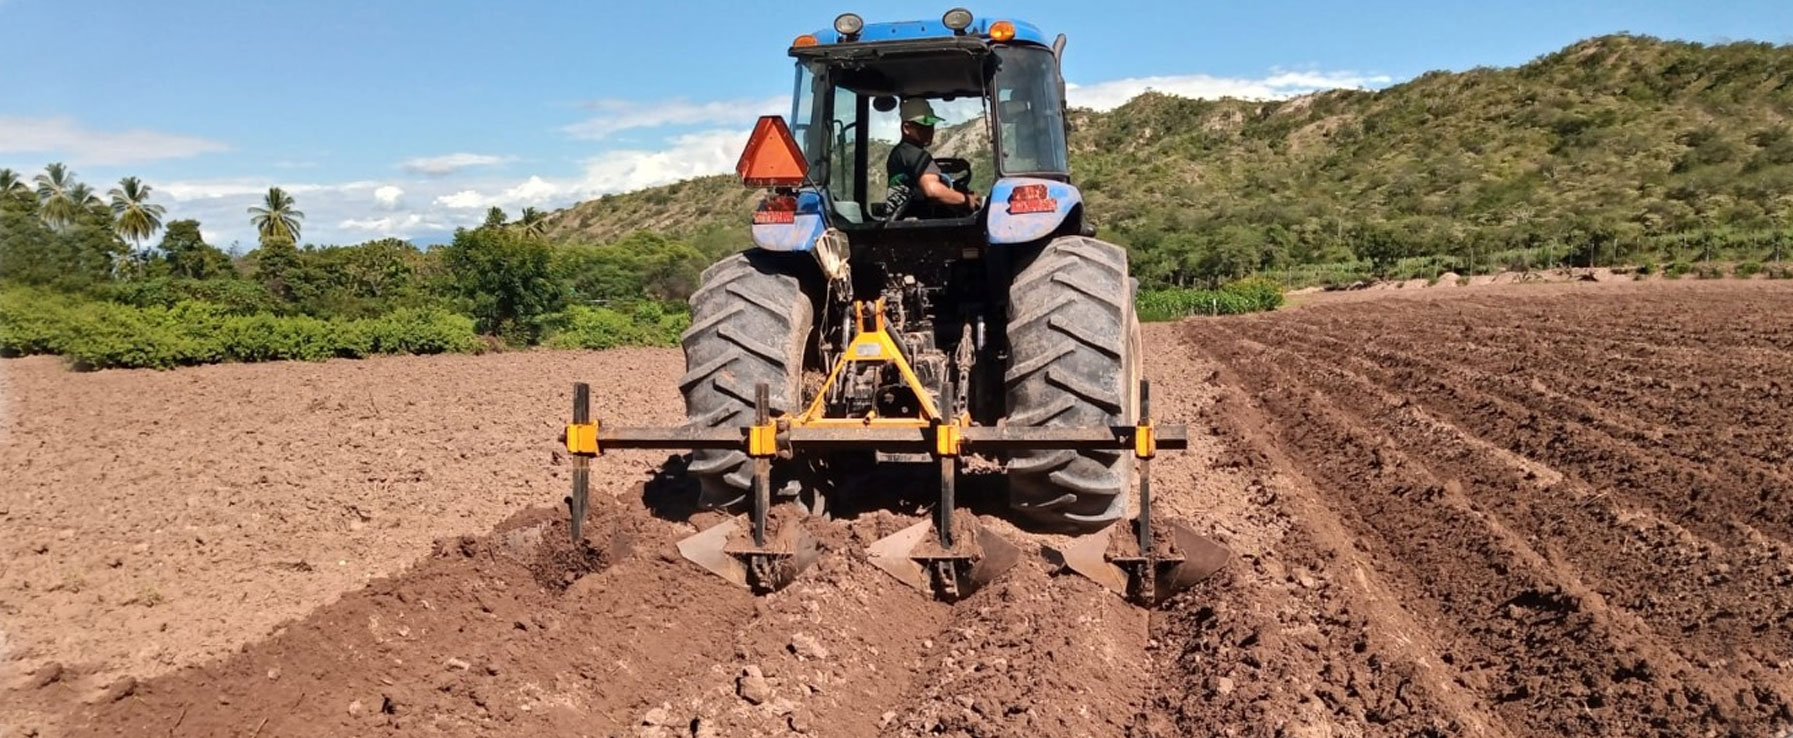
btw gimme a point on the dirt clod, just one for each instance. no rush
(752, 686)
(805, 646)
(119, 689)
(44, 676)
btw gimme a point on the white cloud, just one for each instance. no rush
(64, 137)
(437, 166)
(1111, 94)
(615, 116)
(691, 155)
(395, 226)
(222, 188)
(388, 196)
(621, 170)
(462, 200)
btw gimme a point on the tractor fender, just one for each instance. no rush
(1010, 224)
(798, 235)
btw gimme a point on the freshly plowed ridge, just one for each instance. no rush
(1514, 511)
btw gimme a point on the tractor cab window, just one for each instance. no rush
(843, 149)
(804, 111)
(1030, 112)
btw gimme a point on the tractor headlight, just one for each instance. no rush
(957, 19)
(848, 24)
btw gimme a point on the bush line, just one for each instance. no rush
(94, 334)
(1250, 295)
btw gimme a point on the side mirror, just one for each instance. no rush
(1058, 48)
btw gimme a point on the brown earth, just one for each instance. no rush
(1509, 511)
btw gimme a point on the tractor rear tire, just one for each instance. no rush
(750, 323)
(1073, 362)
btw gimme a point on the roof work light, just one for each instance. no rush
(957, 19)
(848, 24)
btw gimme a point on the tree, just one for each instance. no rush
(534, 222)
(495, 218)
(188, 255)
(58, 196)
(505, 279)
(12, 185)
(73, 256)
(135, 218)
(276, 262)
(277, 218)
(1383, 244)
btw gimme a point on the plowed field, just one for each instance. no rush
(1505, 511)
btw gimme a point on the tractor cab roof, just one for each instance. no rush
(905, 33)
(923, 57)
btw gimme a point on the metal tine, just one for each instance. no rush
(762, 466)
(577, 501)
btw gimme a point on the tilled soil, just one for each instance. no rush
(1516, 511)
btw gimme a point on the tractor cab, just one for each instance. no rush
(994, 86)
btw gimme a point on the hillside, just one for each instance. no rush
(1614, 144)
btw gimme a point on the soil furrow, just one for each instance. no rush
(1513, 621)
(1635, 561)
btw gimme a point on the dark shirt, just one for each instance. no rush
(906, 165)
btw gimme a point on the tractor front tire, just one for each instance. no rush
(1073, 344)
(750, 323)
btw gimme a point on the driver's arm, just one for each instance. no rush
(936, 190)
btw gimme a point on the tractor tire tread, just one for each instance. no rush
(1072, 363)
(750, 323)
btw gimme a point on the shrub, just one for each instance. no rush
(1708, 271)
(98, 335)
(414, 331)
(31, 322)
(1676, 270)
(1261, 293)
(1249, 295)
(1748, 269)
(586, 327)
(238, 296)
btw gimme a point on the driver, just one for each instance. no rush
(911, 165)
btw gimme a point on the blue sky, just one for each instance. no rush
(410, 118)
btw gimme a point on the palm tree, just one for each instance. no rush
(12, 184)
(84, 196)
(57, 204)
(136, 218)
(276, 218)
(534, 221)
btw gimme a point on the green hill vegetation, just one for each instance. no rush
(1619, 149)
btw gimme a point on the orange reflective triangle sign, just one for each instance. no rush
(772, 158)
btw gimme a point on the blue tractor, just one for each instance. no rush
(888, 314)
